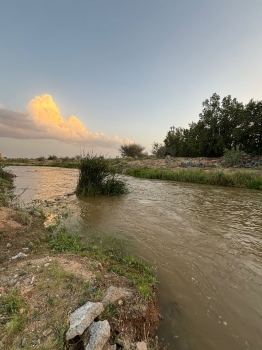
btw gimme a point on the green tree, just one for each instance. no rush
(131, 150)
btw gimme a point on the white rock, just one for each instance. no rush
(141, 345)
(19, 255)
(99, 334)
(114, 294)
(81, 318)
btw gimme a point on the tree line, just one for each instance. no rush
(223, 124)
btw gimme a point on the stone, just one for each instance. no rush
(114, 294)
(82, 317)
(47, 332)
(36, 213)
(99, 335)
(23, 342)
(141, 345)
(19, 255)
(8, 245)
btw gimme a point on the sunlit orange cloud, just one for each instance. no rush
(44, 121)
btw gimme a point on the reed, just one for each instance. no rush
(96, 178)
(219, 178)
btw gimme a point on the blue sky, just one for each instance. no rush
(126, 68)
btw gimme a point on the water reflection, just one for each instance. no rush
(205, 241)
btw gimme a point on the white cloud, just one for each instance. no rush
(44, 121)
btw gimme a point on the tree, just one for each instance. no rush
(131, 150)
(158, 150)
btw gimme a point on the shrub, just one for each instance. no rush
(232, 157)
(96, 177)
(131, 150)
(53, 157)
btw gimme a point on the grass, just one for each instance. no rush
(219, 178)
(96, 178)
(13, 311)
(112, 253)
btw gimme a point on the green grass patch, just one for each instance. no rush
(112, 253)
(219, 178)
(63, 241)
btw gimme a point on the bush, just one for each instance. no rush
(232, 157)
(53, 157)
(131, 150)
(96, 177)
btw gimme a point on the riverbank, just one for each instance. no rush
(211, 171)
(47, 273)
(244, 179)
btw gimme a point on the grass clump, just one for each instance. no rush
(13, 311)
(219, 178)
(64, 241)
(112, 253)
(96, 178)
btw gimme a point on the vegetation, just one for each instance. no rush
(233, 157)
(96, 178)
(220, 178)
(159, 150)
(131, 150)
(222, 125)
(112, 253)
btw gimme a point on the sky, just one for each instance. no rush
(92, 75)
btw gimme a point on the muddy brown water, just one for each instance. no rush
(205, 241)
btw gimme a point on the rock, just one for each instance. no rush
(47, 332)
(22, 273)
(23, 342)
(81, 318)
(114, 294)
(36, 213)
(8, 245)
(19, 255)
(12, 282)
(46, 265)
(99, 334)
(141, 345)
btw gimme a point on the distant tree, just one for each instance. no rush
(53, 157)
(158, 150)
(131, 150)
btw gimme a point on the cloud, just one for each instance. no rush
(44, 121)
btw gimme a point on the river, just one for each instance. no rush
(205, 241)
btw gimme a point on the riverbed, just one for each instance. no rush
(205, 242)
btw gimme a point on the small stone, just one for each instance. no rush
(120, 302)
(47, 332)
(22, 273)
(46, 265)
(12, 282)
(141, 345)
(23, 342)
(8, 245)
(36, 213)
(99, 334)
(113, 294)
(19, 255)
